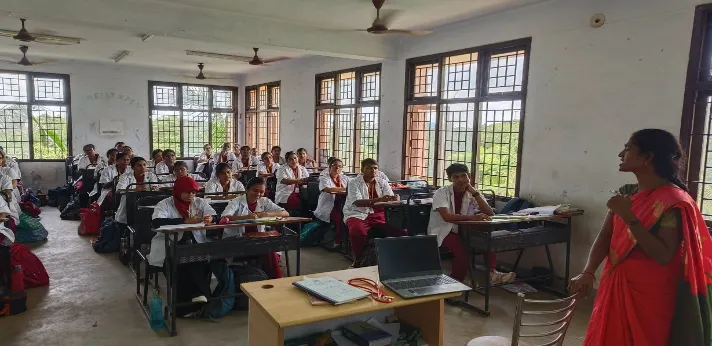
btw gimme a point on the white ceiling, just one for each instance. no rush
(293, 28)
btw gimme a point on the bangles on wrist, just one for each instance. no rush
(589, 273)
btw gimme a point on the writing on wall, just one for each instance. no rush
(114, 96)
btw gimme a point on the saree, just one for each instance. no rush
(643, 303)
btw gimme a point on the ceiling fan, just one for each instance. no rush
(24, 61)
(254, 60)
(201, 75)
(379, 26)
(25, 36)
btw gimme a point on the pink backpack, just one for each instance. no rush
(35, 272)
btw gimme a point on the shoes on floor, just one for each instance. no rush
(497, 277)
(200, 299)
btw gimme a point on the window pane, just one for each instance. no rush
(367, 134)
(49, 89)
(222, 99)
(460, 74)
(164, 96)
(222, 129)
(251, 129)
(165, 129)
(273, 130)
(274, 97)
(324, 134)
(344, 138)
(425, 81)
(370, 86)
(506, 72)
(13, 87)
(49, 132)
(253, 99)
(195, 97)
(195, 132)
(420, 142)
(262, 101)
(262, 132)
(327, 91)
(14, 130)
(346, 88)
(497, 147)
(457, 126)
(704, 195)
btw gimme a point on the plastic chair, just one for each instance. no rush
(559, 333)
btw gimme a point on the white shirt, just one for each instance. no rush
(445, 197)
(13, 205)
(237, 164)
(213, 185)
(161, 168)
(10, 162)
(85, 162)
(239, 207)
(262, 168)
(326, 200)
(125, 180)
(230, 157)
(9, 235)
(168, 180)
(107, 176)
(358, 190)
(283, 190)
(166, 209)
(201, 165)
(382, 175)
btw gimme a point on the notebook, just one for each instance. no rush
(331, 290)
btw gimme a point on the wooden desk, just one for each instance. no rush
(274, 309)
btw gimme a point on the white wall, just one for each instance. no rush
(589, 89)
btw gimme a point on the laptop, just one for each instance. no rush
(410, 266)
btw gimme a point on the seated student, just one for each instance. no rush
(10, 182)
(267, 167)
(180, 169)
(139, 174)
(245, 160)
(276, 152)
(90, 158)
(225, 155)
(7, 196)
(165, 167)
(7, 235)
(223, 182)
(120, 146)
(253, 153)
(156, 158)
(110, 161)
(304, 160)
(289, 179)
(360, 213)
(110, 173)
(204, 159)
(12, 163)
(460, 201)
(253, 205)
(331, 181)
(128, 151)
(183, 207)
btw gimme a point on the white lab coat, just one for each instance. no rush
(201, 166)
(166, 209)
(213, 185)
(125, 180)
(168, 180)
(238, 206)
(382, 176)
(10, 162)
(283, 190)
(358, 190)
(326, 200)
(262, 168)
(237, 164)
(9, 235)
(230, 157)
(445, 197)
(161, 168)
(7, 175)
(108, 175)
(85, 162)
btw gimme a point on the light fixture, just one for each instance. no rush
(146, 37)
(122, 54)
(218, 56)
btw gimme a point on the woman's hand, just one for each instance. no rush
(582, 284)
(193, 219)
(621, 206)
(207, 219)
(140, 187)
(480, 217)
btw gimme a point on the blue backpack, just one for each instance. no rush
(226, 286)
(516, 204)
(109, 237)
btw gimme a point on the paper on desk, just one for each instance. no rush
(545, 210)
(185, 225)
(259, 219)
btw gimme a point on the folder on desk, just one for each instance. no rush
(331, 290)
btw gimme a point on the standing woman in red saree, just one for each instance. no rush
(655, 285)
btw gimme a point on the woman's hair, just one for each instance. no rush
(368, 162)
(226, 145)
(301, 150)
(668, 156)
(265, 155)
(120, 156)
(288, 154)
(136, 160)
(119, 143)
(205, 146)
(332, 160)
(254, 181)
(88, 146)
(245, 147)
(155, 152)
(112, 150)
(180, 164)
(128, 147)
(276, 147)
(221, 167)
(169, 151)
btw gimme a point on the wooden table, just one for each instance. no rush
(276, 305)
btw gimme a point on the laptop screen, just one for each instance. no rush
(406, 256)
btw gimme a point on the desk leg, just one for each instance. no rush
(261, 329)
(428, 317)
(568, 256)
(172, 290)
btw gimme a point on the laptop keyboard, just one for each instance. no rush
(427, 282)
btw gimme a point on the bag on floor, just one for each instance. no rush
(30, 230)
(91, 220)
(71, 211)
(60, 196)
(30, 209)
(312, 233)
(226, 286)
(33, 269)
(109, 237)
(369, 256)
(12, 303)
(246, 273)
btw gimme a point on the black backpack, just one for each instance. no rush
(109, 237)
(245, 273)
(71, 211)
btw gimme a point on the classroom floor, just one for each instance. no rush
(90, 301)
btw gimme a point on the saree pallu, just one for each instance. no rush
(643, 303)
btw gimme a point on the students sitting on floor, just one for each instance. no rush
(245, 161)
(139, 174)
(156, 158)
(180, 169)
(267, 167)
(223, 182)
(90, 158)
(253, 205)
(225, 155)
(304, 159)
(289, 179)
(276, 155)
(460, 201)
(110, 173)
(332, 181)
(183, 207)
(360, 213)
(165, 167)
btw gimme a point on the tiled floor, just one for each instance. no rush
(90, 301)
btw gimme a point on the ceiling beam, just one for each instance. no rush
(193, 23)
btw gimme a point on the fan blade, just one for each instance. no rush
(209, 77)
(276, 59)
(58, 40)
(407, 32)
(388, 16)
(42, 62)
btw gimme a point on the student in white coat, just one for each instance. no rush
(165, 167)
(223, 182)
(180, 169)
(289, 179)
(10, 162)
(245, 160)
(9, 180)
(332, 181)
(304, 159)
(7, 236)
(139, 174)
(460, 201)
(253, 205)
(205, 158)
(110, 161)
(90, 158)
(183, 207)
(276, 155)
(225, 155)
(156, 158)
(267, 168)
(110, 173)
(13, 207)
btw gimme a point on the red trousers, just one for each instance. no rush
(460, 263)
(269, 261)
(358, 230)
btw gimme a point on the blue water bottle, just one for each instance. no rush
(156, 310)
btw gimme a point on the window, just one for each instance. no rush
(467, 107)
(34, 115)
(262, 116)
(185, 117)
(347, 112)
(696, 128)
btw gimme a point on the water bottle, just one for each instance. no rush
(156, 310)
(17, 280)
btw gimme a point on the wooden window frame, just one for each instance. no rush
(271, 107)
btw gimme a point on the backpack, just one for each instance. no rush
(312, 233)
(109, 237)
(12, 303)
(30, 208)
(33, 269)
(226, 287)
(246, 273)
(71, 211)
(91, 220)
(60, 196)
(30, 230)
(516, 204)
(369, 256)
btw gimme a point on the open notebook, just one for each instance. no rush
(331, 290)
